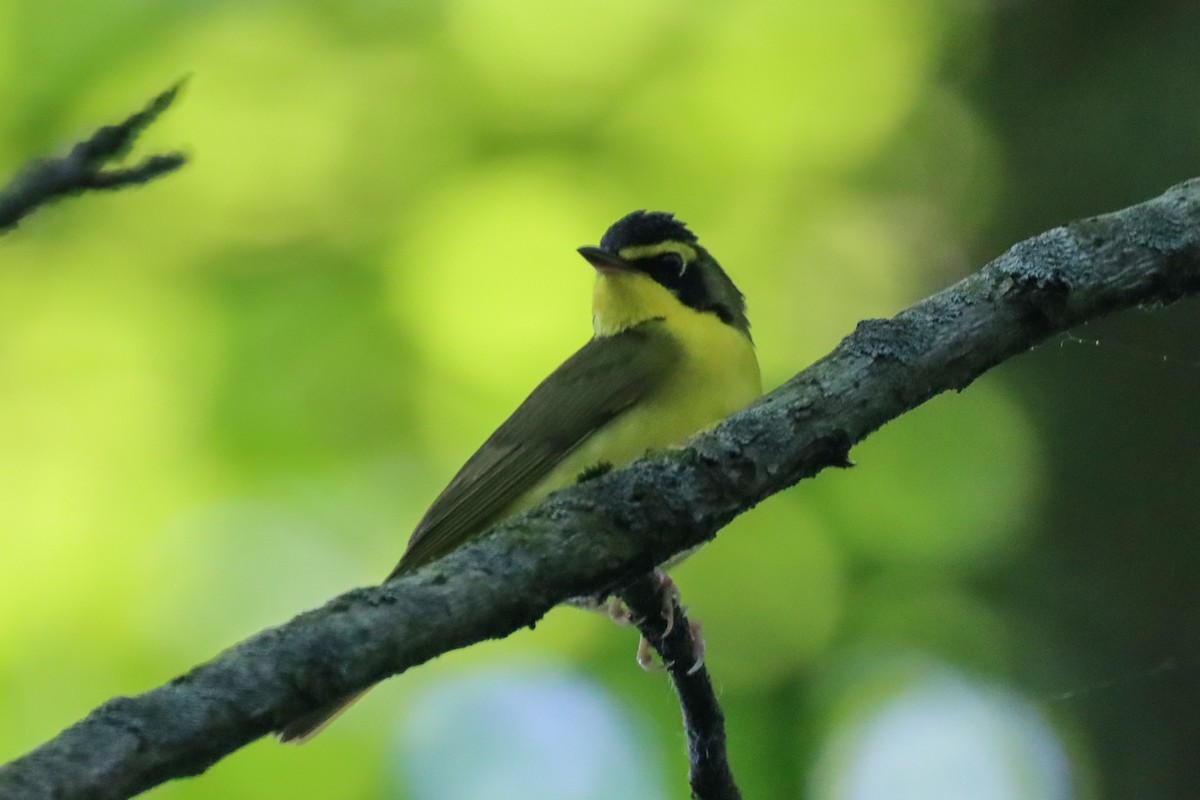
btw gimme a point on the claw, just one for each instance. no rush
(645, 656)
(669, 592)
(670, 595)
(619, 613)
(697, 646)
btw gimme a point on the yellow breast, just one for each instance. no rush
(717, 374)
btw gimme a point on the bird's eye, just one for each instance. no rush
(672, 263)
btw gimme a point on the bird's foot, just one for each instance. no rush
(645, 651)
(670, 598)
(618, 612)
(612, 607)
(669, 593)
(645, 656)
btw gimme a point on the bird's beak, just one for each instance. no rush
(603, 260)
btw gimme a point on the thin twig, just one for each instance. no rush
(605, 532)
(709, 773)
(83, 169)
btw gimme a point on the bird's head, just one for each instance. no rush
(656, 245)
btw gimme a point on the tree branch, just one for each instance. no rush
(607, 531)
(681, 650)
(82, 169)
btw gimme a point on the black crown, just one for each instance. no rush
(643, 228)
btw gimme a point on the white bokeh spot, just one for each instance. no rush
(504, 735)
(945, 737)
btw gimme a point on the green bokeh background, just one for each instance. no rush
(228, 396)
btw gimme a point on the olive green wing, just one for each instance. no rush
(599, 382)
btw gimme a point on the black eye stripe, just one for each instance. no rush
(665, 268)
(672, 261)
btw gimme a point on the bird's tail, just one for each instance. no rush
(304, 728)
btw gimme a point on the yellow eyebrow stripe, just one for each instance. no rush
(685, 252)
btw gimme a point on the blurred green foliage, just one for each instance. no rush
(229, 395)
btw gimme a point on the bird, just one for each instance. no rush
(671, 355)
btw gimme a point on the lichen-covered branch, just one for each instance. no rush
(607, 531)
(86, 167)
